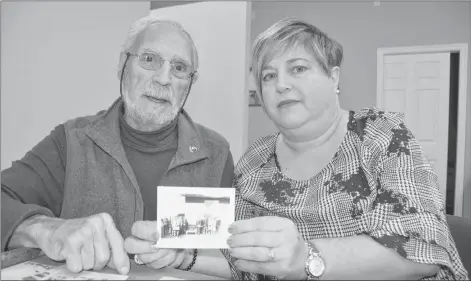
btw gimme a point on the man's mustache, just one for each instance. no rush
(160, 93)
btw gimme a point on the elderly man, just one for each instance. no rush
(92, 181)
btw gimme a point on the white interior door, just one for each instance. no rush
(218, 99)
(418, 85)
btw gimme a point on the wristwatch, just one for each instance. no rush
(314, 264)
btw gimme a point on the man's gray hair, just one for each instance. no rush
(285, 34)
(141, 25)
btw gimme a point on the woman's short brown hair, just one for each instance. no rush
(285, 34)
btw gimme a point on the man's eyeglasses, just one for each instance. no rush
(153, 61)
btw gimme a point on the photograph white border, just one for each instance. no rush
(169, 205)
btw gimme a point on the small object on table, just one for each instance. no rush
(37, 271)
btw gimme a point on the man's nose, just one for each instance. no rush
(163, 75)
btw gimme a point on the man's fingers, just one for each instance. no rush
(151, 257)
(161, 262)
(145, 230)
(134, 245)
(160, 254)
(256, 239)
(111, 264)
(180, 257)
(74, 261)
(116, 242)
(88, 255)
(101, 248)
(259, 224)
(72, 252)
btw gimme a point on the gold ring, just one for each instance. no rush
(271, 254)
(137, 260)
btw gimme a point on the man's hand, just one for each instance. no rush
(268, 245)
(143, 243)
(85, 244)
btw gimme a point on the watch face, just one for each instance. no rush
(316, 266)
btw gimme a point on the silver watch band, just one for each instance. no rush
(314, 259)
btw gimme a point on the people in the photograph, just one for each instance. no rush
(335, 194)
(91, 183)
(175, 226)
(179, 226)
(166, 227)
(184, 226)
(200, 224)
(211, 225)
(218, 224)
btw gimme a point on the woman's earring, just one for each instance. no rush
(337, 91)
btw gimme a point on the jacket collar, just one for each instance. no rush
(105, 132)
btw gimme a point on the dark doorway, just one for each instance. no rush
(452, 132)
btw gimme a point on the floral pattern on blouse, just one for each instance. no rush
(378, 183)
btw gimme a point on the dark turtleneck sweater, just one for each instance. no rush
(149, 154)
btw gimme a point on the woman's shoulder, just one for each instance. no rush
(376, 126)
(373, 113)
(258, 153)
(374, 122)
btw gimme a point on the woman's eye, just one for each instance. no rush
(299, 69)
(268, 77)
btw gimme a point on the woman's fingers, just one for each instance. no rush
(256, 239)
(259, 254)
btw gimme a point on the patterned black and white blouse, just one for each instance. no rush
(378, 183)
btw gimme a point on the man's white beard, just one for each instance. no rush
(144, 116)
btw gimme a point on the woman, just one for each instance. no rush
(335, 194)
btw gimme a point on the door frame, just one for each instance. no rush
(462, 49)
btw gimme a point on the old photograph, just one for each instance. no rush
(194, 217)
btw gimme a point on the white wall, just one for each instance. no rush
(218, 99)
(59, 61)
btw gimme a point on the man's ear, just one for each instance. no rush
(194, 77)
(335, 75)
(122, 59)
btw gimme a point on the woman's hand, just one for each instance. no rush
(143, 244)
(268, 245)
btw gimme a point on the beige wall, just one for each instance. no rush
(361, 28)
(59, 61)
(216, 99)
